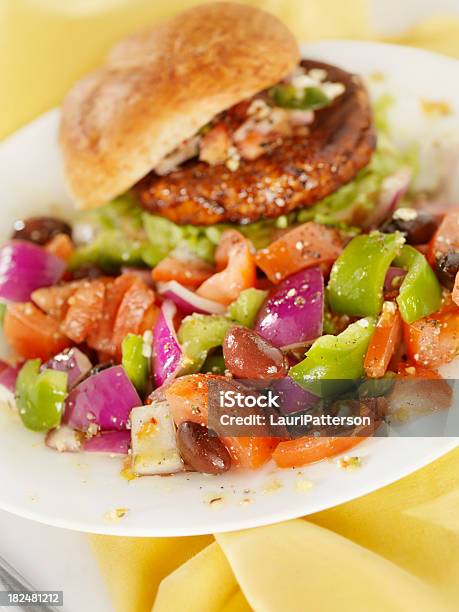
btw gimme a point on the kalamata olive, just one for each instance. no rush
(87, 271)
(248, 355)
(447, 268)
(417, 226)
(40, 230)
(201, 451)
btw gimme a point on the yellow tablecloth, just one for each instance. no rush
(394, 550)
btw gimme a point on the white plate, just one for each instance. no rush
(79, 491)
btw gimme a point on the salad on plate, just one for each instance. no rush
(245, 222)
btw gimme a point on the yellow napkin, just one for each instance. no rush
(394, 550)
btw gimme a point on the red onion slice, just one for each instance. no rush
(167, 353)
(25, 267)
(392, 274)
(188, 301)
(392, 191)
(293, 314)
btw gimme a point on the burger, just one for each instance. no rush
(213, 118)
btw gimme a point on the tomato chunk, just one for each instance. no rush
(54, 300)
(385, 341)
(236, 260)
(434, 340)
(149, 319)
(304, 246)
(101, 337)
(446, 238)
(85, 310)
(250, 452)
(295, 453)
(134, 305)
(32, 333)
(188, 400)
(190, 273)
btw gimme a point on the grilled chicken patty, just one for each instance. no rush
(300, 171)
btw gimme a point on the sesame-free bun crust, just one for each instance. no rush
(160, 86)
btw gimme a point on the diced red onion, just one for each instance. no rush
(25, 267)
(113, 442)
(8, 375)
(391, 275)
(104, 399)
(64, 439)
(167, 353)
(293, 314)
(392, 191)
(74, 362)
(188, 301)
(292, 397)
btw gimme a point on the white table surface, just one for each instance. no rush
(58, 559)
(54, 559)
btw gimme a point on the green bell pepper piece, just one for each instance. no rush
(40, 396)
(198, 334)
(2, 312)
(420, 291)
(244, 310)
(357, 277)
(134, 362)
(288, 96)
(335, 363)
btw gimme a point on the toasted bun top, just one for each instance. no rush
(160, 86)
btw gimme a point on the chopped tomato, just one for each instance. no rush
(61, 246)
(295, 453)
(134, 305)
(384, 342)
(418, 391)
(101, 338)
(446, 238)
(188, 400)
(190, 273)
(434, 340)
(304, 246)
(149, 319)
(235, 254)
(85, 310)
(54, 300)
(412, 369)
(249, 452)
(32, 333)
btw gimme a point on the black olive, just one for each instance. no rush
(447, 268)
(417, 226)
(202, 451)
(40, 230)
